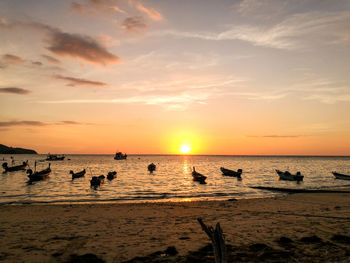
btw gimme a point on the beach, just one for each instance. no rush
(309, 227)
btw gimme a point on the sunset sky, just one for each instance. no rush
(147, 77)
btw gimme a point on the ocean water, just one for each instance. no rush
(172, 181)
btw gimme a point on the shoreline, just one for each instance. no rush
(118, 232)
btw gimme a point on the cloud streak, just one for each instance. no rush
(81, 47)
(79, 82)
(14, 90)
(298, 31)
(12, 59)
(37, 123)
(51, 59)
(152, 13)
(134, 24)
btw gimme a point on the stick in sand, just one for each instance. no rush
(218, 241)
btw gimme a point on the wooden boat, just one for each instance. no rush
(120, 156)
(228, 172)
(55, 157)
(198, 177)
(151, 167)
(111, 175)
(78, 174)
(289, 177)
(14, 167)
(97, 181)
(341, 176)
(38, 175)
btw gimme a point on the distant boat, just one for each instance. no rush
(120, 156)
(40, 175)
(78, 174)
(290, 177)
(55, 157)
(111, 175)
(341, 176)
(198, 177)
(228, 172)
(14, 167)
(97, 181)
(151, 167)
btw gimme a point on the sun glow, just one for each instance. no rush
(185, 149)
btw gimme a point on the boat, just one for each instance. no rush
(341, 176)
(228, 172)
(97, 180)
(14, 167)
(198, 177)
(151, 167)
(78, 174)
(120, 156)
(38, 175)
(55, 157)
(111, 175)
(290, 177)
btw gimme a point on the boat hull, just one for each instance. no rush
(341, 176)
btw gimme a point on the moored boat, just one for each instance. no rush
(97, 180)
(78, 174)
(228, 172)
(38, 175)
(55, 157)
(341, 176)
(198, 177)
(111, 175)
(14, 167)
(290, 177)
(120, 156)
(151, 167)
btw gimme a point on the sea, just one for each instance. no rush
(172, 180)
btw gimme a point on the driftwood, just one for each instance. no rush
(218, 241)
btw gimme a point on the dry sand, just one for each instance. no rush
(314, 227)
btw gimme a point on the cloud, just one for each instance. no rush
(37, 63)
(21, 123)
(81, 47)
(277, 136)
(72, 45)
(14, 90)
(298, 31)
(96, 7)
(12, 59)
(79, 82)
(108, 41)
(152, 13)
(51, 59)
(37, 123)
(134, 24)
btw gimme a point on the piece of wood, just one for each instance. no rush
(217, 239)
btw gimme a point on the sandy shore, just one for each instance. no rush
(313, 227)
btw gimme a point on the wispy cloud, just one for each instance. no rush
(134, 24)
(79, 46)
(298, 31)
(51, 59)
(79, 82)
(70, 45)
(152, 13)
(37, 123)
(12, 59)
(37, 63)
(14, 90)
(277, 136)
(96, 7)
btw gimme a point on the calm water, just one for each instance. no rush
(171, 181)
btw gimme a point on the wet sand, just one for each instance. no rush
(308, 227)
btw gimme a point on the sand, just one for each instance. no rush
(312, 227)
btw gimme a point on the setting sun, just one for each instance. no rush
(185, 149)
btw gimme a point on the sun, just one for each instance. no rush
(185, 149)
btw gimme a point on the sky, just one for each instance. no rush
(224, 77)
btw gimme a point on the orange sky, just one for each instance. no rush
(242, 77)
